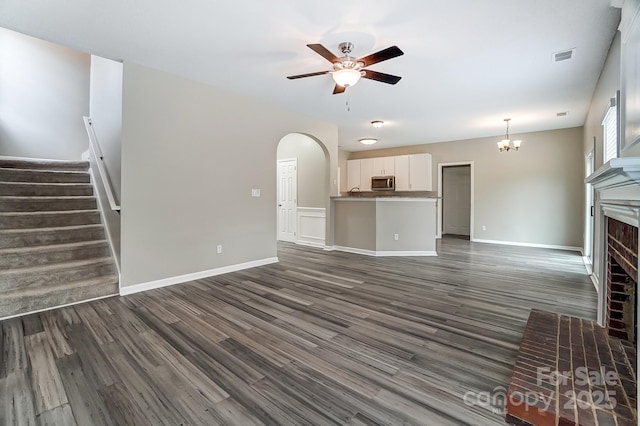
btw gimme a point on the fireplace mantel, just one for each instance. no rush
(617, 173)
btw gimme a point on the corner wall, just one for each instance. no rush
(530, 196)
(44, 93)
(191, 153)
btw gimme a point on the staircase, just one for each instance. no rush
(53, 249)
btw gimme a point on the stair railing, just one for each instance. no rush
(102, 170)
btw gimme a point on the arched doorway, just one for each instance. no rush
(302, 190)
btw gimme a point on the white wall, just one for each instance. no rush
(44, 93)
(313, 168)
(531, 196)
(190, 155)
(105, 109)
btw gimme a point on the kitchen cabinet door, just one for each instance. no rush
(420, 176)
(353, 174)
(366, 171)
(402, 173)
(383, 166)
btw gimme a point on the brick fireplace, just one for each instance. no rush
(622, 273)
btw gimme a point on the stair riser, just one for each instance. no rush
(14, 175)
(49, 220)
(15, 260)
(13, 281)
(13, 303)
(24, 190)
(35, 204)
(80, 166)
(51, 237)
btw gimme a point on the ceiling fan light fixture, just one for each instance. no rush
(368, 141)
(346, 77)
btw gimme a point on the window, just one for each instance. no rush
(610, 132)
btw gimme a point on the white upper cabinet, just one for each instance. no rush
(412, 172)
(420, 176)
(366, 171)
(353, 174)
(384, 166)
(402, 173)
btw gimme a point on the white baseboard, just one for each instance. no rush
(311, 244)
(137, 288)
(513, 243)
(587, 264)
(59, 306)
(381, 253)
(595, 282)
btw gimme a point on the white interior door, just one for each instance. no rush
(287, 199)
(456, 200)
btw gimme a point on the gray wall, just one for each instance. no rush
(416, 230)
(191, 154)
(533, 195)
(313, 168)
(44, 93)
(105, 109)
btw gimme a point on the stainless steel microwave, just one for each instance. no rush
(383, 183)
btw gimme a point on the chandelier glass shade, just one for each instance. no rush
(507, 144)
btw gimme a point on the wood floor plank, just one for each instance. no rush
(86, 403)
(319, 338)
(16, 400)
(49, 392)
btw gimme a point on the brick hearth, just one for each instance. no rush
(569, 371)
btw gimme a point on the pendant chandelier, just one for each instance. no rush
(505, 144)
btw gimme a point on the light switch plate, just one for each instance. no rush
(255, 192)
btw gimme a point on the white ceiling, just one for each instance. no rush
(467, 65)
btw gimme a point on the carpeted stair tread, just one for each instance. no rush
(48, 219)
(10, 203)
(43, 176)
(43, 189)
(22, 257)
(42, 164)
(56, 235)
(72, 292)
(46, 276)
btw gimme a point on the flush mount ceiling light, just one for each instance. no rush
(505, 144)
(368, 141)
(377, 123)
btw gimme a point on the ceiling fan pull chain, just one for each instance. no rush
(348, 107)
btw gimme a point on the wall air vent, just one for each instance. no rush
(563, 56)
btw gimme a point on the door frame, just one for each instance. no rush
(295, 210)
(589, 223)
(439, 213)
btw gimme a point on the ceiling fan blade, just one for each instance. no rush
(311, 74)
(324, 52)
(383, 55)
(338, 89)
(380, 76)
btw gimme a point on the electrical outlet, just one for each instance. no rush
(395, 237)
(484, 228)
(255, 192)
(219, 249)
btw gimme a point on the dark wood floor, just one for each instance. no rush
(320, 338)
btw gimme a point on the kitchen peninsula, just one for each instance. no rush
(385, 226)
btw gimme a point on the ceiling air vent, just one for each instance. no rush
(563, 56)
(561, 114)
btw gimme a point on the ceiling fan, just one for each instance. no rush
(348, 70)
